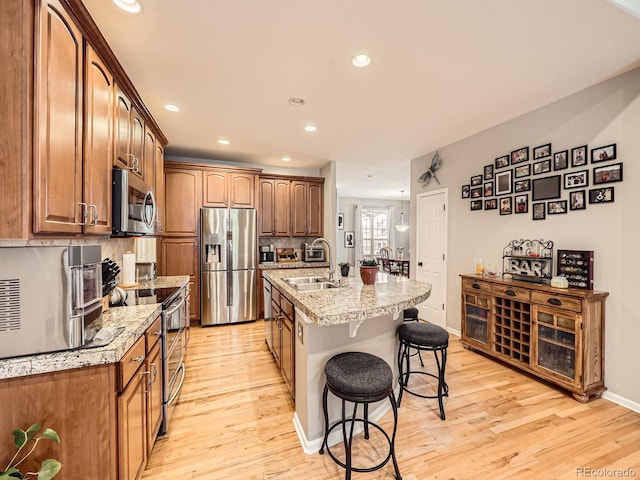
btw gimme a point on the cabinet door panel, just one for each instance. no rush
(315, 212)
(180, 256)
(299, 209)
(132, 423)
(149, 156)
(183, 199)
(216, 193)
(159, 186)
(288, 353)
(154, 397)
(121, 129)
(242, 189)
(98, 143)
(58, 155)
(282, 208)
(137, 144)
(267, 206)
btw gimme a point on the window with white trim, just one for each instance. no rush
(375, 229)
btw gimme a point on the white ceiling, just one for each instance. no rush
(441, 71)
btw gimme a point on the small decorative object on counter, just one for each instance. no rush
(344, 268)
(479, 266)
(529, 260)
(577, 267)
(368, 270)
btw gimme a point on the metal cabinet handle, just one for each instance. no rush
(148, 382)
(154, 373)
(554, 301)
(476, 286)
(157, 333)
(138, 359)
(85, 213)
(94, 217)
(510, 292)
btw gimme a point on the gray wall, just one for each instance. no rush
(346, 205)
(604, 114)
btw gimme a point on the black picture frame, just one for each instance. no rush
(561, 160)
(491, 204)
(546, 188)
(523, 185)
(579, 156)
(476, 180)
(607, 174)
(466, 191)
(542, 151)
(522, 171)
(341, 221)
(557, 207)
(578, 200)
(601, 195)
(540, 168)
(538, 211)
(476, 192)
(488, 172)
(488, 189)
(476, 204)
(349, 239)
(603, 154)
(520, 155)
(504, 182)
(576, 179)
(521, 203)
(505, 205)
(502, 162)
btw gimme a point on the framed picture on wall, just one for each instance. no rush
(538, 211)
(520, 155)
(466, 191)
(522, 203)
(542, 151)
(491, 204)
(476, 205)
(542, 167)
(523, 171)
(341, 221)
(561, 160)
(577, 200)
(607, 174)
(502, 162)
(576, 179)
(601, 195)
(505, 206)
(488, 189)
(557, 207)
(503, 182)
(603, 154)
(349, 240)
(488, 172)
(579, 156)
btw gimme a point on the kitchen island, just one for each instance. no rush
(353, 317)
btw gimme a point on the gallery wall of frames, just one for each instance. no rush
(520, 183)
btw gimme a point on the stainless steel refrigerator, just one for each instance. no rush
(228, 286)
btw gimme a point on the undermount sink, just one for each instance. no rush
(305, 284)
(305, 280)
(305, 287)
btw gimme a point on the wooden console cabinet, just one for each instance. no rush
(555, 334)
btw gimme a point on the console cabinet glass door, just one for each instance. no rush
(557, 344)
(477, 308)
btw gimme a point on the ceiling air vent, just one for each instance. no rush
(9, 305)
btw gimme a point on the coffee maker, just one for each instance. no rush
(267, 253)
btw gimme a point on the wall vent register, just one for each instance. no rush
(10, 305)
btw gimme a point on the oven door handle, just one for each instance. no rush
(174, 309)
(177, 392)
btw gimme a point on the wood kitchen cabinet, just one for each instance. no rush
(153, 365)
(180, 256)
(57, 162)
(228, 188)
(556, 334)
(159, 186)
(306, 208)
(129, 131)
(183, 200)
(274, 214)
(283, 337)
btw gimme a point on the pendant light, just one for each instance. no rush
(402, 226)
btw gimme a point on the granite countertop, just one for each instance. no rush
(353, 302)
(134, 319)
(279, 265)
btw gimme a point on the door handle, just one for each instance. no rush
(94, 219)
(419, 264)
(554, 301)
(511, 293)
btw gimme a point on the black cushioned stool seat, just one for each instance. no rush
(428, 337)
(360, 378)
(410, 314)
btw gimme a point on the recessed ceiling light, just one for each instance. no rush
(296, 101)
(361, 60)
(171, 108)
(286, 159)
(369, 176)
(131, 6)
(223, 141)
(310, 128)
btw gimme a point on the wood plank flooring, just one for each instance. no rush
(234, 421)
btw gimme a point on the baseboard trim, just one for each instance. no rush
(622, 401)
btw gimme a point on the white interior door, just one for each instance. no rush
(431, 264)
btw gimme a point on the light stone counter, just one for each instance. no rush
(353, 302)
(289, 265)
(134, 319)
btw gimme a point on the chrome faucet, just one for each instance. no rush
(331, 269)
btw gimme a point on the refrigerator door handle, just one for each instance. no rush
(229, 261)
(229, 288)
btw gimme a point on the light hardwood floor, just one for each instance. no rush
(234, 421)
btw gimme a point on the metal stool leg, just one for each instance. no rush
(326, 418)
(394, 407)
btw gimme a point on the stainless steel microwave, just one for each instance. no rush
(134, 205)
(48, 298)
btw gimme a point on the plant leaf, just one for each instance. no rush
(49, 469)
(50, 435)
(32, 430)
(19, 438)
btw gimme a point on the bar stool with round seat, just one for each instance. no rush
(361, 378)
(423, 336)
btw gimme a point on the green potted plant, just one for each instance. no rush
(21, 438)
(344, 268)
(368, 270)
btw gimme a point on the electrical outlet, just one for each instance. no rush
(300, 332)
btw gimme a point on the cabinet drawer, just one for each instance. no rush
(130, 363)
(287, 307)
(478, 286)
(559, 301)
(511, 292)
(275, 296)
(153, 333)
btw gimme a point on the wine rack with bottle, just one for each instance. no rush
(555, 334)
